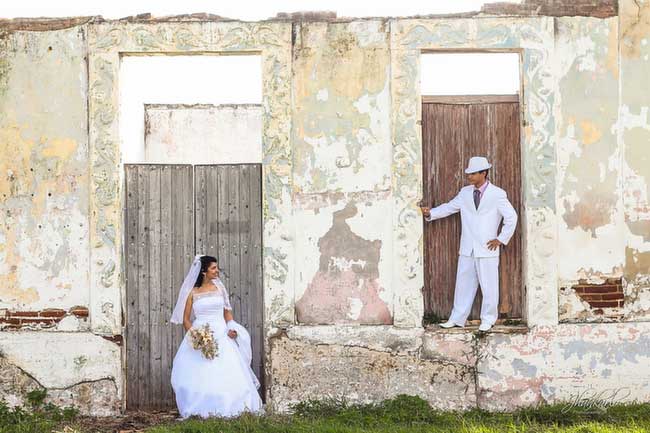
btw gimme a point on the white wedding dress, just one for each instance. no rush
(224, 386)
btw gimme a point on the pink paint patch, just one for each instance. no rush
(342, 297)
(346, 287)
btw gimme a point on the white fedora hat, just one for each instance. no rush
(476, 164)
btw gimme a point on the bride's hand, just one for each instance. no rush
(232, 333)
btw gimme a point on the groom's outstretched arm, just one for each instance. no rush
(444, 209)
(509, 219)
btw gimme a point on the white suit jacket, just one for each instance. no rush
(480, 225)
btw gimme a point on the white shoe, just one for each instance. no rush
(449, 324)
(484, 327)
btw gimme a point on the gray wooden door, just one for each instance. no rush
(172, 213)
(229, 227)
(159, 244)
(454, 128)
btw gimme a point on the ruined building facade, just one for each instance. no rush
(341, 182)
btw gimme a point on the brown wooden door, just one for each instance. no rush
(172, 213)
(453, 130)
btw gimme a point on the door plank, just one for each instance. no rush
(132, 302)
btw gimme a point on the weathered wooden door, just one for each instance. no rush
(172, 213)
(159, 246)
(453, 130)
(229, 227)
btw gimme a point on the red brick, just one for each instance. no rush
(117, 339)
(52, 312)
(591, 297)
(558, 8)
(612, 296)
(598, 289)
(605, 304)
(11, 321)
(22, 313)
(79, 311)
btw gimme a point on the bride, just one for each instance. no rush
(226, 385)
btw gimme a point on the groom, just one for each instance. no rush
(482, 205)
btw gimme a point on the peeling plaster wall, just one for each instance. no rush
(44, 242)
(341, 177)
(634, 138)
(603, 159)
(590, 190)
(43, 170)
(575, 221)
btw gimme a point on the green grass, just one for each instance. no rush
(403, 414)
(36, 417)
(406, 414)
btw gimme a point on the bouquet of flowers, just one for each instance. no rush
(203, 340)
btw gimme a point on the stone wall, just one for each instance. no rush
(458, 369)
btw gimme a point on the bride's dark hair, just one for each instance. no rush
(205, 264)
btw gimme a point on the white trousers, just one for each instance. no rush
(471, 272)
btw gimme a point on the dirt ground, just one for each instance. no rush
(130, 422)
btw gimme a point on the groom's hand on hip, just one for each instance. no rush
(493, 244)
(232, 333)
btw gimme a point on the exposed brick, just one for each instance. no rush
(592, 297)
(117, 339)
(606, 295)
(47, 318)
(41, 24)
(605, 304)
(321, 16)
(22, 313)
(598, 289)
(79, 311)
(612, 296)
(556, 8)
(52, 312)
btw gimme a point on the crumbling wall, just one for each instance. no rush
(76, 368)
(633, 131)
(44, 243)
(342, 232)
(457, 369)
(341, 177)
(590, 191)
(576, 189)
(43, 170)
(603, 163)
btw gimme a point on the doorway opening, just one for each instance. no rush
(470, 107)
(191, 148)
